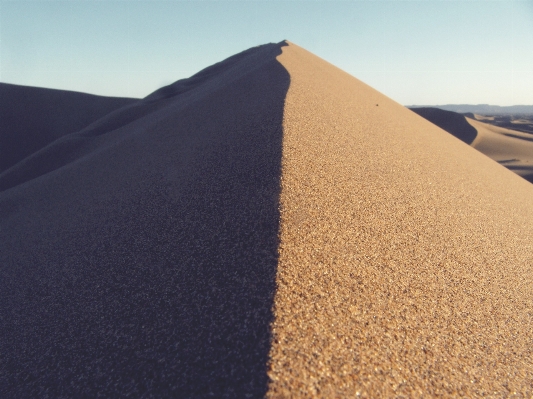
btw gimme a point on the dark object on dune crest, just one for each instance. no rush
(452, 122)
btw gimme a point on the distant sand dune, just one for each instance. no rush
(483, 118)
(33, 117)
(512, 149)
(452, 122)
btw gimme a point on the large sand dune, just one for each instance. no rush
(270, 227)
(138, 256)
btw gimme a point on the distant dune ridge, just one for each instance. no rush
(481, 108)
(33, 117)
(271, 227)
(452, 122)
(511, 148)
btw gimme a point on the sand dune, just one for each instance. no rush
(33, 117)
(511, 148)
(452, 122)
(138, 256)
(270, 227)
(483, 117)
(405, 255)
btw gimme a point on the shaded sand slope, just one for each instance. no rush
(452, 122)
(143, 263)
(93, 137)
(33, 117)
(406, 256)
(512, 149)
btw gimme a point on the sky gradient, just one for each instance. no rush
(416, 52)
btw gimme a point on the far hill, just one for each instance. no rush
(33, 117)
(510, 148)
(452, 122)
(481, 108)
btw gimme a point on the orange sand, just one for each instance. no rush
(405, 257)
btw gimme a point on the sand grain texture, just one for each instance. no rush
(138, 255)
(271, 227)
(405, 259)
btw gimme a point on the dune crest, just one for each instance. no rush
(452, 122)
(272, 227)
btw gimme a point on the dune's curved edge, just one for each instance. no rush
(454, 123)
(405, 259)
(510, 148)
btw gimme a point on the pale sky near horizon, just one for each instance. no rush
(416, 52)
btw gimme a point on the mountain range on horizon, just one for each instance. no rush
(481, 108)
(270, 227)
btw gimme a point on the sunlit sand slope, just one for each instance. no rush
(405, 261)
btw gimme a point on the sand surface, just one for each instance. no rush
(406, 256)
(33, 117)
(452, 122)
(483, 117)
(138, 256)
(271, 227)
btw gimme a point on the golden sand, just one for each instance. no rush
(510, 147)
(405, 257)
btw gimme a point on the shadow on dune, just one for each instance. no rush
(529, 177)
(516, 136)
(145, 266)
(49, 146)
(526, 171)
(454, 123)
(33, 117)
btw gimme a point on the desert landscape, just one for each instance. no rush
(512, 148)
(520, 122)
(270, 227)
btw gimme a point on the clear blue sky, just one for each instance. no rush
(416, 52)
